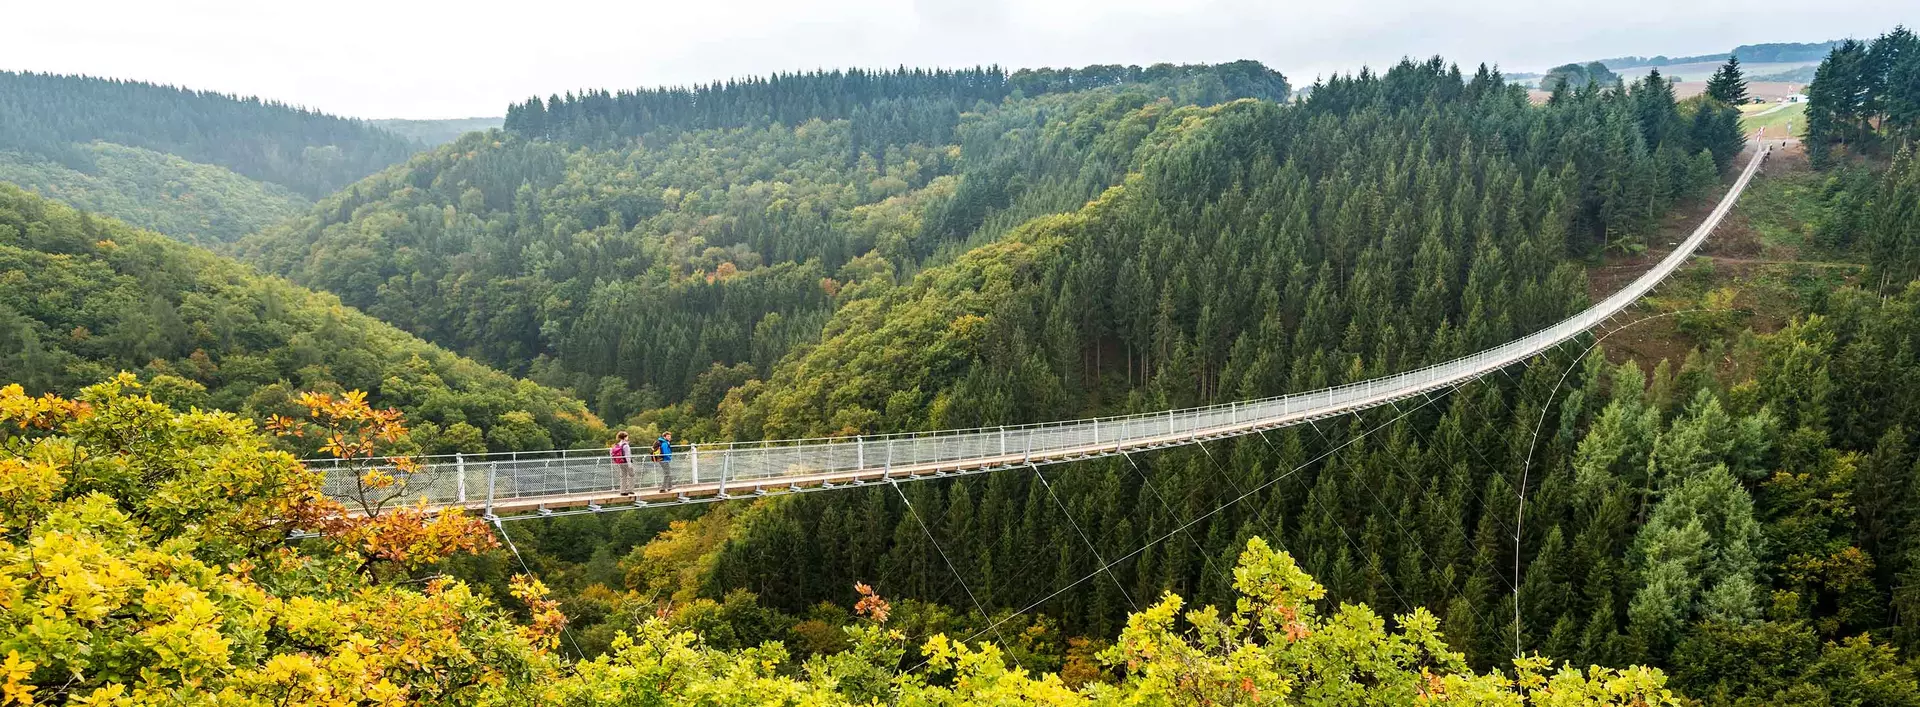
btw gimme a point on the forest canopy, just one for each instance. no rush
(197, 203)
(57, 116)
(83, 297)
(920, 103)
(145, 558)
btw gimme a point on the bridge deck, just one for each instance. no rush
(501, 484)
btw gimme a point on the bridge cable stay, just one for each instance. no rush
(1184, 529)
(1171, 516)
(1281, 533)
(1519, 513)
(529, 570)
(1195, 521)
(1273, 529)
(1499, 523)
(956, 572)
(1083, 538)
(1358, 550)
(1472, 489)
(1425, 439)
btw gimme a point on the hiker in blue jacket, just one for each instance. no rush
(663, 451)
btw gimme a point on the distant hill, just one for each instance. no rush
(1773, 53)
(665, 268)
(433, 133)
(309, 152)
(1803, 74)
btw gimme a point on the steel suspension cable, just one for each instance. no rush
(1083, 538)
(1183, 527)
(529, 570)
(1171, 516)
(984, 616)
(1519, 513)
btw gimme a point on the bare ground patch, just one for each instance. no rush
(1769, 283)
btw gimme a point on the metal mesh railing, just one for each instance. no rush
(712, 468)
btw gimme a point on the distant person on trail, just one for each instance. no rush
(663, 451)
(622, 453)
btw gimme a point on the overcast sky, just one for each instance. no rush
(415, 59)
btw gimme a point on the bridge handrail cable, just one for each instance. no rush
(990, 442)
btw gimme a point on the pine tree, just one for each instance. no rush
(1728, 85)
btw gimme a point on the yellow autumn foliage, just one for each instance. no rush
(145, 559)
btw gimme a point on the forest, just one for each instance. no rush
(199, 166)
(311, 153)
(897, 106)
(84, 297)
(637, 273)
(197, 203)
(1720, 512)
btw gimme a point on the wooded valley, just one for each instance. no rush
(1714, 500)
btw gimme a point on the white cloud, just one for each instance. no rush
(408, 58)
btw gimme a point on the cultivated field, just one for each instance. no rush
(1700, 71)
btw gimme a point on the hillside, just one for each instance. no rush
(309, 152)
(1712, 501)
(691, 258)
(1774, 53)
(1738, 510)
(83, 297)
(197, 203)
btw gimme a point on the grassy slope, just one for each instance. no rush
(1759, 265)
(1775, 123)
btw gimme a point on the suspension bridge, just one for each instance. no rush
(542, 484)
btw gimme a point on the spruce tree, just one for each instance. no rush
(1728, 85)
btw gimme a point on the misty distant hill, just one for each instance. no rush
(1774, 53)
(433, 133)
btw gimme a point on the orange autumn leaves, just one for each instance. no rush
(406, 537)
(360, 435)
(347, 427)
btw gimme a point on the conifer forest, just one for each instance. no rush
(1712, 499)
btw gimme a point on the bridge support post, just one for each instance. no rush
(1003, 441)
(726, 464)
(1233, 412)
(859, 452)
(460, 469)
(493, 472)
(696, 463)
